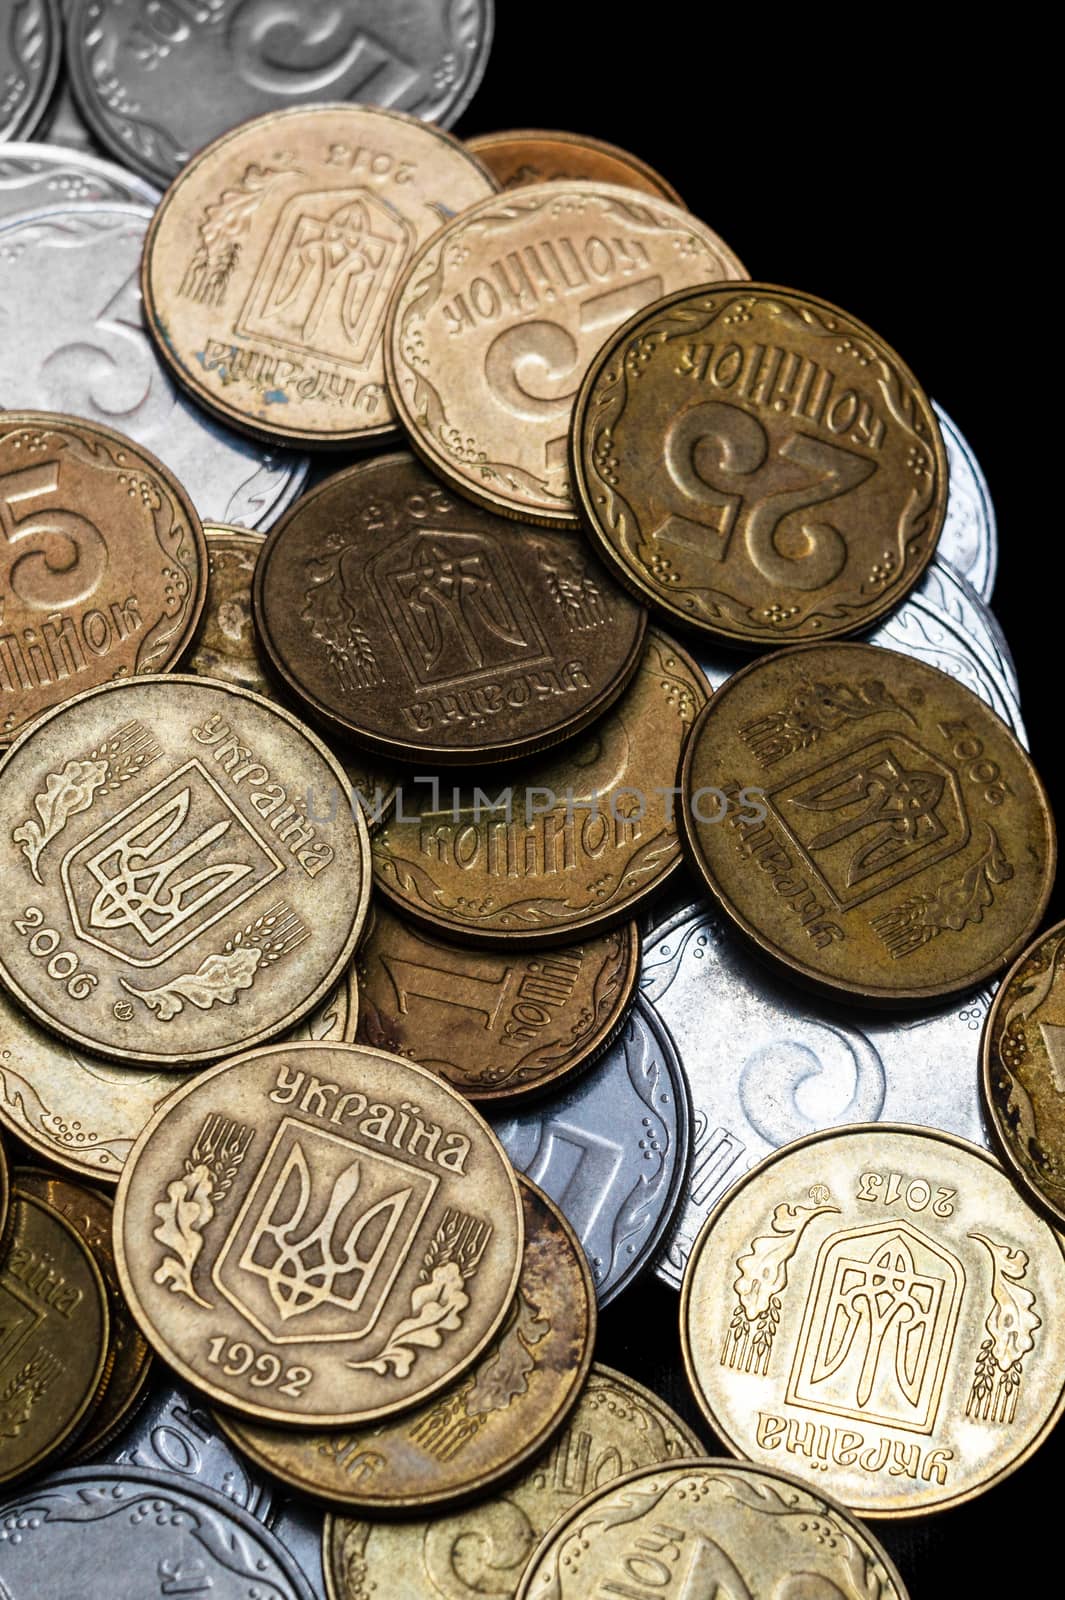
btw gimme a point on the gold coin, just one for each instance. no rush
(758, 464)
(879, 1307)
(868, 821)
(269, 264)
(1023, 1071)
(586, 836)
(485, 1428)
(226, 648)
(104, 564)
(617, 1426)
(129, 1356)
(495, 321)
(5, 1193)
(53, 1335)
(175, 894)
(85, 1113)
(537, 155)
(496, 1026)
(705, 1528)
(335, 1234)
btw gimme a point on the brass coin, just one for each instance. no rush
(496, 1026)
(427, 628)
(1023, 1071)
(336, 1234)
(269, 264)
(868, 821)
(84, 1113)
(53, 1335)
(589, 835)
(538, 155)
(494, 323)
(879, 1307)
(227, 648)
(617, 1426)
(104, 565)
(174, 894)
(480, 1431)
(759, 464)
(705, 1528)
(5, 1191)
(129, 1356)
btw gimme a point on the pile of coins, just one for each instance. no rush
(502, 719)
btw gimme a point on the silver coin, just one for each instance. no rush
(42, 176)
(969, 539)
(158, 82)
(30, 45)
(612, 1150)
(298, 1525)
(72, 339)
(173, 1432)
(767, 1063)
(99, 1533)
(63, 123)
(952, 594)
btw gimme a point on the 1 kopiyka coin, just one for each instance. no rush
(317, 1233)
(227, 648)
(590, 833)
(878, 1306)
(426, 628)
(175, 895)
(1023, 1071)
(269, 264)
(494, 323)
(104, 565)
(53, 1309)
(522, 156)
(868, 821)
(495, 1025)
(709, 1528)
(759, 464)
(480, 1431)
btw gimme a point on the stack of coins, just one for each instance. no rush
(512, 789)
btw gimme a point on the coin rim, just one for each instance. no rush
(56, 155)
(30, 115)
(812, 977)
(909, 1508)
(507, 137)
(988, 567)
(264, 1413)
(156, 326)
(61, 1026)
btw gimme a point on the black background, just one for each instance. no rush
(884, 177)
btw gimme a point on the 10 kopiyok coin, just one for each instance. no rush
(318, 1234)
(899, 844)
(877, 1307)
(174, 894)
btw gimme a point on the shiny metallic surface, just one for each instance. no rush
(955, 595)
(298, 1524)
(767, 1063)
(969, 538)
(72, 339)
(35, 176)
(30, 46)
(612, 1150)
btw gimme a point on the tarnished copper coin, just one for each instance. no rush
(495, 1025)
(484, 1429)
(877, 1307)
(575, 843)
(868, 821)
(523, 156)
(759, 464)
(171, 898)
(103, 565)
(320, 1234)
(427, 628)
(1023, 1076)
(270, 262)
(616, 1427)
(227, 648)
(129, 1356)
(5, 1192)
(53, 1334)
(84, 1113)
(710, 1530)
(494, 323)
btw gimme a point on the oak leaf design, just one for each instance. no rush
(65, 793)
(183, 1215)
(436, 1308)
